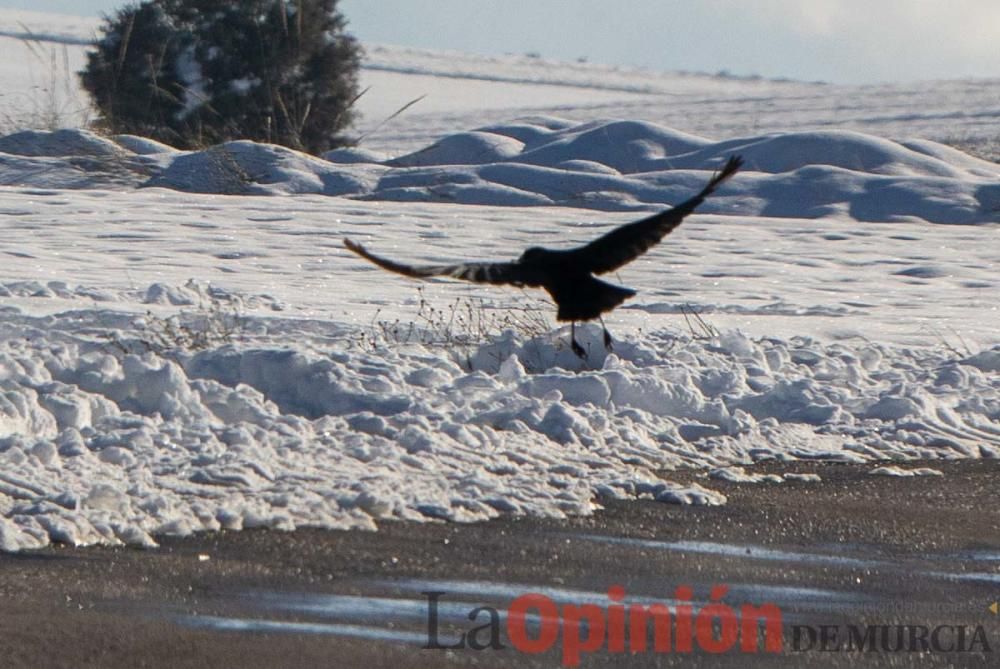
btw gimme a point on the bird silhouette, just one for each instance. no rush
(568, 275)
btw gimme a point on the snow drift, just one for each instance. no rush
(606, 165)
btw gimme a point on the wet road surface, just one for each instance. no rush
(906, 569)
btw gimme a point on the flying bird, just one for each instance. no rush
(568, 275)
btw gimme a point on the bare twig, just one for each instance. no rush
(699, 328)
(388, 118)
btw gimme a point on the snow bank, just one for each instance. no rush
(605, 165)
(99, 445)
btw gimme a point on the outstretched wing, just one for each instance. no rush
(626, 243)
(500, 273)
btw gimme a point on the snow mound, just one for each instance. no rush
(605, 165)
(142, 146)
(623, 146)
(794, 175)
(354, 155)
(986, 361)
(258, 169)
(57, 143)
(103, 446)
(856, 152)
(467, 148)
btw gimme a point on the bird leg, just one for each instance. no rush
(574, 344)
(607, 335)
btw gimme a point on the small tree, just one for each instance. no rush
(197, 72)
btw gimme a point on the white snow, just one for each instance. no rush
(185, 345)
(905, 473)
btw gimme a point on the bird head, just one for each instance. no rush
(532, 255)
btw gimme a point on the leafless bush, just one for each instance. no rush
(214, 324)
(464, 323)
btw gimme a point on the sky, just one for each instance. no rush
(841, 41)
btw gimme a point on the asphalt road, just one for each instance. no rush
(905, 568)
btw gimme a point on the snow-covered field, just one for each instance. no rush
(187, 346)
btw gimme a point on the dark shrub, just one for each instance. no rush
(198, 72)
